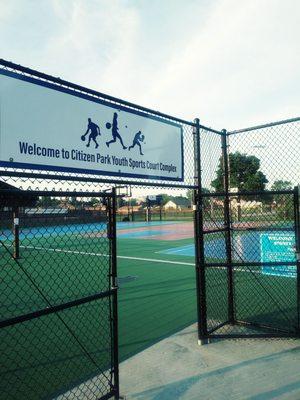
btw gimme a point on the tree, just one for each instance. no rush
(121, 202)
(133, 202)
(282, 204)
(73, 201)
(164, 198)
(244, 173)
(282, 185)
(94, 202)
(48, 202)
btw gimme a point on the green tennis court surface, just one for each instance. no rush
(156, 298)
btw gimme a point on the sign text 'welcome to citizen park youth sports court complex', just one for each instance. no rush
(47, 127)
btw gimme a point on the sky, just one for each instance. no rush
(230, 63)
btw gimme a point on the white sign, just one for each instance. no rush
(47, 127)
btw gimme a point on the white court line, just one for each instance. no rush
(107, 255)
(153, 260)
(175, 251)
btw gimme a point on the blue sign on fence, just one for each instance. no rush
(278, 247)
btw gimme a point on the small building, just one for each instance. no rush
(246, 205)
(177, 203)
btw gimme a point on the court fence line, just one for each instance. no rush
(31, 198)
(260, 205)
(242, 185)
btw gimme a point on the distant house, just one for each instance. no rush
(246, 205)
(235, 202)
(177, 203)
(170, 205)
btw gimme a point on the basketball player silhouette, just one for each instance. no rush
(115, 131)
(95, 131)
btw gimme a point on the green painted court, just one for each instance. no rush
(157, 297)
(63, 263)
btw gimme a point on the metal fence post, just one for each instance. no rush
(16, 230)
(297, 250)
(227, 223)
(114, 286)
(199, 240)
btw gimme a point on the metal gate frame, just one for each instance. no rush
(111, 294)
(43, 178)
(263, 330)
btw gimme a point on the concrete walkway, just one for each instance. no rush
(177, 368)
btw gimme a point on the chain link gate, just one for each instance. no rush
(134, 324)
(59, 295)
(84, 370)
(248, 241)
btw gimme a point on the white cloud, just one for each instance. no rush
(231, 63)
(242, 65)
(6, 10)
(95, 40)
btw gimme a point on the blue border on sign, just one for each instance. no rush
(44, 167)
(85, 96)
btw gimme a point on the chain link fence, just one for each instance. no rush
(57, 316)
(60, 258)
(59, 319)
(249, 225)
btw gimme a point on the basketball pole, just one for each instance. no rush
(16, 233)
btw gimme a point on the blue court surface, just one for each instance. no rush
(246, 247)
(187, 250)
(58, 230)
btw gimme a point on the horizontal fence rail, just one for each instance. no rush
(59, 309)
(62, 82)
(263, 126)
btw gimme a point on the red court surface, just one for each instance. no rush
(172, 231)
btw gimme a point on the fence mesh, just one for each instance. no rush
(56, 307)
(276, 147)
(150, 280)
(64, 255)
(250, 230)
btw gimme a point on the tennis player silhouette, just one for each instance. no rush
(95, 131)
(114, 131)
(138, 139)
